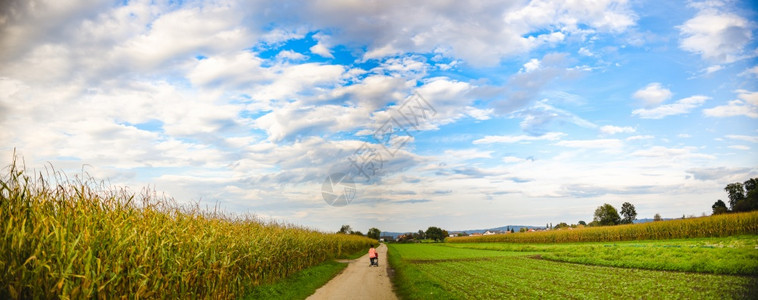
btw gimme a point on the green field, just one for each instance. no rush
(500, 270)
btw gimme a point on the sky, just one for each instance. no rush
(532, 112)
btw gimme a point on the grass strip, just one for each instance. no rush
(301, 284)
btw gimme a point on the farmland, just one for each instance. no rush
(500, 270)
(78, 238)
(712, 226)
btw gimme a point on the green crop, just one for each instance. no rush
(62, 238)
(525, 275)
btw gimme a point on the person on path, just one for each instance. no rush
(373, 257)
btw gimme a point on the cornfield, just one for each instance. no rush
(713, 226)
(78, 238)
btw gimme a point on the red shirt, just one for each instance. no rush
(372, 253)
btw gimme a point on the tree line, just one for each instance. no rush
(742, 197)
(373, 232)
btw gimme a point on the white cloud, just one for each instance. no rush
(724, 174)
(750, 72)
(716, 35)
(746, 105)
(653, 94)
(592, 144)
(640, 137)
(537, 118)
(501, 29)
(290, 55)
(682, 106)
(711, 69)
(467, 154)
(671, 153)
(513, 159)
(585, 52)
(609, 129)
(531, 65)
(320, 49)
(550, 136)
(746, 138)
(740, 147)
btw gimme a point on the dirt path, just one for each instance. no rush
(359, 281)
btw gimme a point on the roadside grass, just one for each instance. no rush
(523, 276)
(737, 255)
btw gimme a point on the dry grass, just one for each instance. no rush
(79, 238)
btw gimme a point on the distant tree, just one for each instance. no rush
(593, 223)
(736, 194)
(746, 195)
(522, 229)
(547, 225)
(657, 217)
(374, 233)
(435, 233)
(751, 193)
(345, 229)
(356, 233)
(582, 223)
(512, 230)
(561, 225)
(607, 215)
(421, 234)
(719, 207)
(628, 212)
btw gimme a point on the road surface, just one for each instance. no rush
(359, 281)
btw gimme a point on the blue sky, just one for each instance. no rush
(544, 109)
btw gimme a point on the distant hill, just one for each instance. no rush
(469, 231)
(638, 221)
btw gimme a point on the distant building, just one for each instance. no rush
(489, 232)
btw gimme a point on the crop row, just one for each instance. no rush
(523, 276)
(713, 226)
(63, 238)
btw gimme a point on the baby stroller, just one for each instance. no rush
(373, 257)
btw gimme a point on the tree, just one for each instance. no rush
(561, 225)
(356, 233)
(512, 231)
(345, 229)
(629, 213)
(522, 229)
(582, 223)
(736, 194)
(374, 233)
(750, 202)
(607, 215)
(657, 217)
(719, 207)
(435, 233)
(421, 234)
